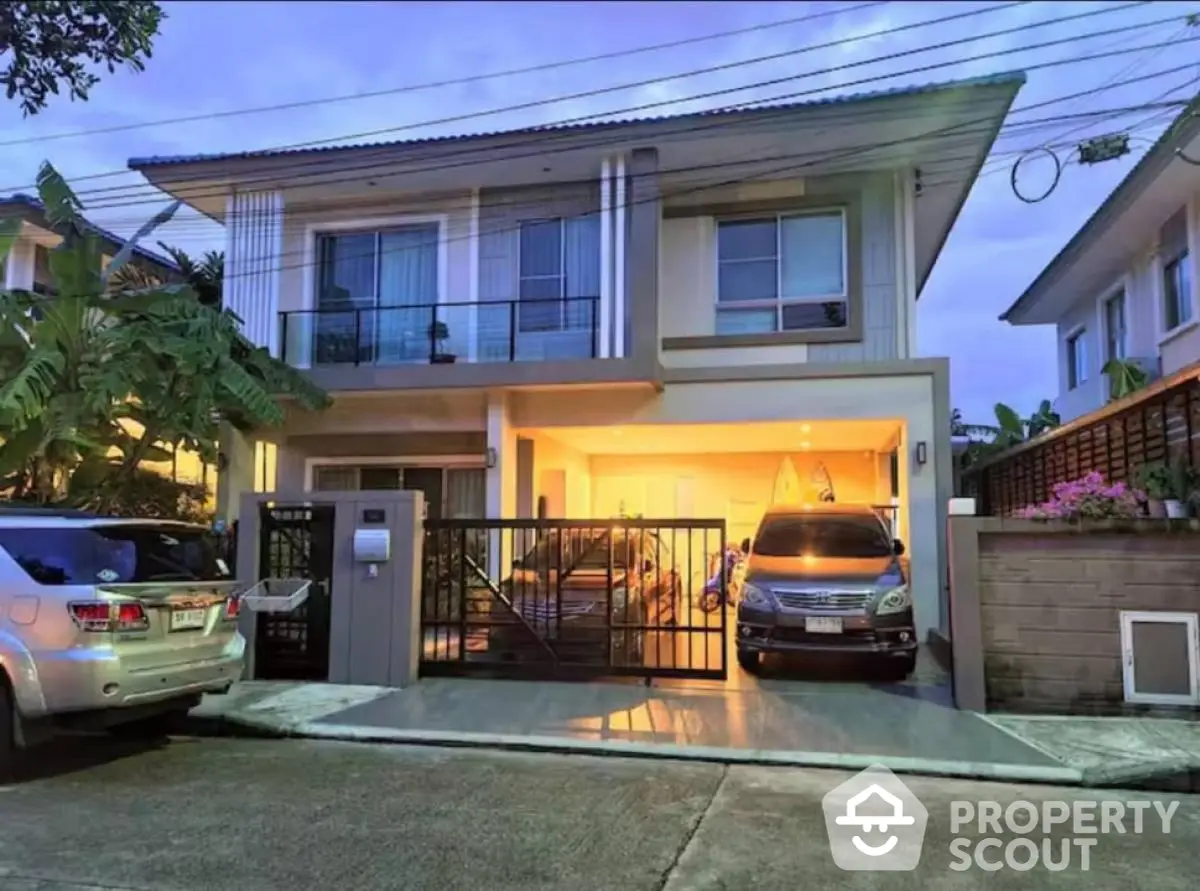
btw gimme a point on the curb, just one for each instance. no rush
(1016, 773)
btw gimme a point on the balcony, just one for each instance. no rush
(427, 345)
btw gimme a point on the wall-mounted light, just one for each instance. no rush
(921, 456)
(490, 457)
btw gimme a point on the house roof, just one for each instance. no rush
(1158, 160)
(1010, 78)
(34, 212)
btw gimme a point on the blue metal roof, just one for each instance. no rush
(1008, 78)
(32, 203)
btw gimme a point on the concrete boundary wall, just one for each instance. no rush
(1035, 606)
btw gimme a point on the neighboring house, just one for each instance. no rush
(1125, 286)
(27, 268)
(676, 317)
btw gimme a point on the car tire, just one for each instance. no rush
(8, 726)
(749, 660)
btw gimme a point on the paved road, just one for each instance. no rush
(243, 815)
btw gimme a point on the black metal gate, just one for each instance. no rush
(574, 598)
(295, 541)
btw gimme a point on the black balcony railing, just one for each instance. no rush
(492, 331)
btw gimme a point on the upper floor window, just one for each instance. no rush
(1076, 358)
(1177, 291)
(785, 272)
(396, 267)
(558, 275)
(1114, 327)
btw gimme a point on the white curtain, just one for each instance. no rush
(408, 277)
(582, 262)
(811, 256)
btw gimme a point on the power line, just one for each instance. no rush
(848, 115)
(526, 132)
(442, 158)
(1016, 128)
(1001, 164)
(843, 154)
(1012, 129)
(454, 82)
(623, 87)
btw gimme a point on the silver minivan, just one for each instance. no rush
(109, 623)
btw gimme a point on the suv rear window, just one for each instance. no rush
(823, 535)
(117, 554)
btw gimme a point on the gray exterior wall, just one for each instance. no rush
(878, 265)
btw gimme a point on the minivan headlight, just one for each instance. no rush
(897, 600)
(754, 595)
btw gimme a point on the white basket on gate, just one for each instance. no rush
(276, 595)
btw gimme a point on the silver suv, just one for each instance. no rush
(109, 623)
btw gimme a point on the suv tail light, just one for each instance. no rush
(233, 606)
(102, 616)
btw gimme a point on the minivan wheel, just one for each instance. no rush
(900, 668)
(749, 660)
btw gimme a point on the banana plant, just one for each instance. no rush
(99, 381)
(1124, 377)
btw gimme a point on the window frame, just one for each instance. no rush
(1184, 314)
(561, 277)
(1077, 374)
(779, 301)
(317, 233)
(1128, 618)
(1119, 294)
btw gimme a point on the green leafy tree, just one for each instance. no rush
(77, 367)
(55, 45)
(1009, 430)
(206, 275)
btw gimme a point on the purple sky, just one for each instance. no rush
(218, 56)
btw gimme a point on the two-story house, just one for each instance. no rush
(1125, 287)
(686, 316)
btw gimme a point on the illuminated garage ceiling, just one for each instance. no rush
(679, 439)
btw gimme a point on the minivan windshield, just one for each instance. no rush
(823, 535)
(117, 554)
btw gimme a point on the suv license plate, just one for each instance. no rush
(823, 625)
(187, 619)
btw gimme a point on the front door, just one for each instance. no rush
(427, 481)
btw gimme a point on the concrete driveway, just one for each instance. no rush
(194, 815)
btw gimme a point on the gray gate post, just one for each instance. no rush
(375, 614)
(249, 524)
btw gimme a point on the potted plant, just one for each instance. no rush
(1169, 487)
(438, 335)
(1185, 482)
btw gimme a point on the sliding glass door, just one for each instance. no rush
(376, 295)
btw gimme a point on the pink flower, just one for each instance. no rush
(1090, 498)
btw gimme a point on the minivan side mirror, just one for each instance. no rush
(745, 546)
(897, 547)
